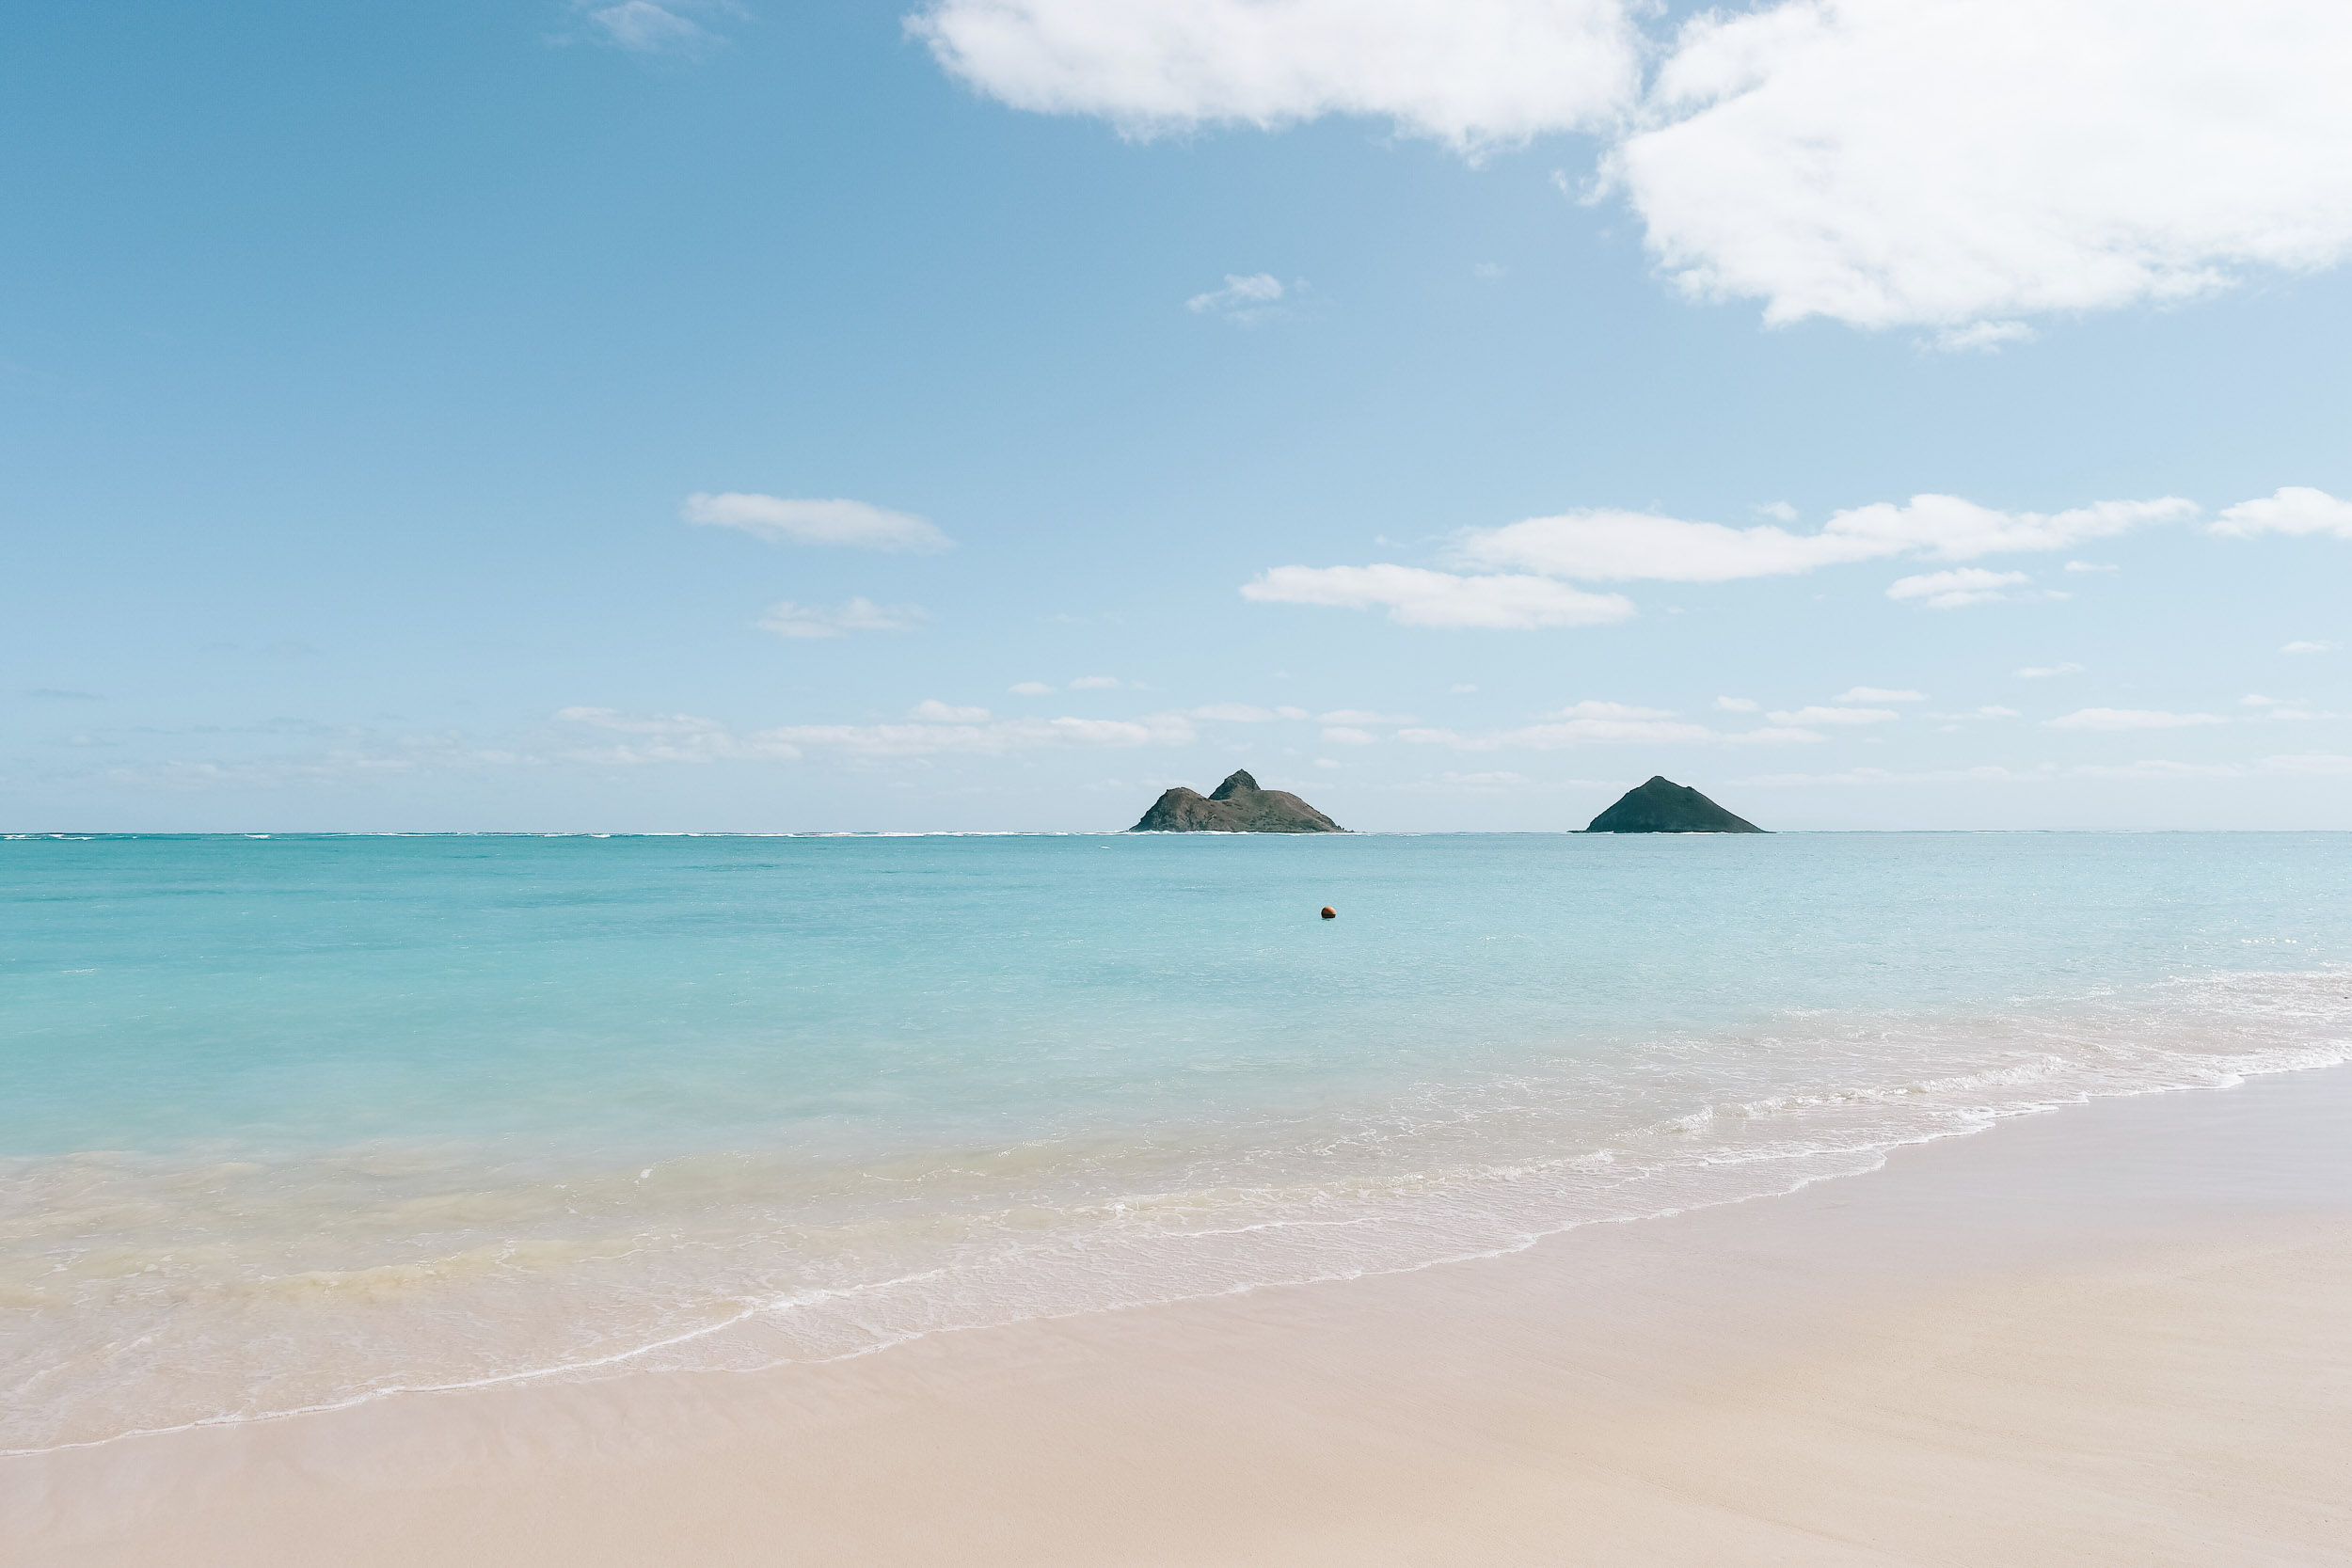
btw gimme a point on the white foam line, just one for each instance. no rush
(1973, 1120)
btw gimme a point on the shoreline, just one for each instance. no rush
(1616, 1388)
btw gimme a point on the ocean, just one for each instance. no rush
(291, 1121)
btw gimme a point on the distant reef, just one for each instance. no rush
(1662, 806)
(1238, 806)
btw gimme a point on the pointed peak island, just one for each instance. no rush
(1238, 806)
(1662, 806)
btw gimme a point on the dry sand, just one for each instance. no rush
(2118, 1333)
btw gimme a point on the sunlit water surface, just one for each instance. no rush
(287, 1122)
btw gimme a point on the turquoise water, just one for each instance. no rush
(288, 1121)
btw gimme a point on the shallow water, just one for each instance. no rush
(290, 1121)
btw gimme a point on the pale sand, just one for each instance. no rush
(2120, 1334)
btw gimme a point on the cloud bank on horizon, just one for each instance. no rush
(1951, 165)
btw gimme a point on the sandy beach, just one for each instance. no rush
(2110, 1334)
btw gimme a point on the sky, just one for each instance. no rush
(981, 415)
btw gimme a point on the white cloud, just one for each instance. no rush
(1031, 689)
(1243, 299)
(666, 737)
(1780, 510)
(2043, 671)
(1231, 713)
(2295, 509)
(1737, 705)
(1095, 683)
(2129, 719)
(1878, 694)
(1501, 780)
(2155, 768)
(1489, 271)
(1983, 337)
(1341, 735)
(645, 28)
(1888, 776)
(934, 728)
(1572, 732)
(1841, 717)
(2309, 765)
(1957, 590)
(815, 522)
(1774, 735)
(1416, 596)
(787, 619)
(1471, 73)
(1610, 710)
(993, 737)
(1963, 163)
(1609, 546)
(1460, 686)
(1291, 713)
(1363, 716)
(2308, 648)
(2279, 708)
(2090, 566)
(931, 710)
(1326, 762)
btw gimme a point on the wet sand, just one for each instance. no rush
(2115, 1334)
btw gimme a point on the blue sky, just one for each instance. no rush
(408, 416)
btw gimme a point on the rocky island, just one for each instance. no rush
(1662, 806)
(1238, 806)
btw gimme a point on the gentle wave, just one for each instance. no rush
(142, 1294)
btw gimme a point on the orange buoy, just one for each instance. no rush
(1329, 914)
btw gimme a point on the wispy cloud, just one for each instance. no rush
(993, 737)
(1983, 337)
(1774, 735)
(665, 737)
(1876, 776)
(1583, 729)
(1245, 300)
(1878, 694)
(2129, 719)
(1502, 779)
(787, 619)
(782, 519)
(1613, 546)
(2045, 672)
(644, 27)
(1843, 718)
(930, 710)
(936, 728)
(2308, 647)
(1517, 575)
(1958, 590)
(2281, 708)
(1416, 596)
